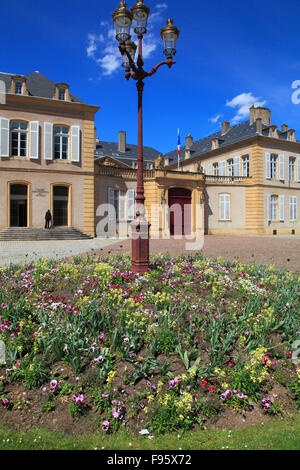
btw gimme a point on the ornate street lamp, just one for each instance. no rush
(123, 18)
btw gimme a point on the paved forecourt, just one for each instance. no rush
(15, 252)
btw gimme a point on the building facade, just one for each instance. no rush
(46, 154)
(244, 179)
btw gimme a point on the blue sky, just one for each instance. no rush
(230, 54)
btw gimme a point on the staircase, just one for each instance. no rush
(41, 234)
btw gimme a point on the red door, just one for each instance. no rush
(180, 211)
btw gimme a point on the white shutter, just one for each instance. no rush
(281, 208)
(237, 166)
(268, 166)
(34, 129)
(122, 196)
(130, 204)
(269, 206)
(48, 141)
(210, 169)
(75, 144)
(298, 169)
(222, 206)
(281, 167)
(111, 203)
(227, 207)
(4, 137)
(223, 168)
(293, 208)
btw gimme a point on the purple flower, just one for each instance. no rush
(172, 384)
(105, 395)
(126, 340)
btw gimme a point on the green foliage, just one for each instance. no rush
(32, 373)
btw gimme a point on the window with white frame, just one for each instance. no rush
(18, 88)
(273, 207)
(293, 208)
(292, 164)
(224, 206)
(245, 165)
(117, 201)
(273, 166)
(216, 169)
(62, 94)
(61, 142)
(230, 167)
(19, 137)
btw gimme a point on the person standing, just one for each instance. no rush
(48, 218)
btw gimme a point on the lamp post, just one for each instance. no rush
(123, 19)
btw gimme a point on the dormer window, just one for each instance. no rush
(18, 85)
(62, 94)
(18, 88)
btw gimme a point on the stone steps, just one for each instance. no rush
(41, 234)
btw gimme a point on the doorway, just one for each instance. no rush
(18, 205)
(60, 206)
(180, 200)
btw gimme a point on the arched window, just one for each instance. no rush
(19, 137)
(61, 142)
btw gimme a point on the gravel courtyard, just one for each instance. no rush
(15, 252)
(282, 252)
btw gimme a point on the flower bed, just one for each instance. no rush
(194, 343)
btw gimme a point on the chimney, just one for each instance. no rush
(189, 141)
(284, 128)
(263, 113)
(122, 141)
(187, 153)
(225, 127)
(215, 143)
(258, 126)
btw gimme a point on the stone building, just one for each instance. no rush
(46, 154)
(244, 179)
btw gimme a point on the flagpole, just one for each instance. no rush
(178, 148)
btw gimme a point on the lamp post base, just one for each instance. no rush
(140, 245)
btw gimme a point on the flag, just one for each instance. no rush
(178, 148)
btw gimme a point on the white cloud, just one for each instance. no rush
(108, 55)
(242, 103)
(216, 118)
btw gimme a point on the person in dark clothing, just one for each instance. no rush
(48, 218)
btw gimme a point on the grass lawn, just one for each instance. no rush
(279, 435)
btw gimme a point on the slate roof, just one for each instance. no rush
(237, 133)
(111, 149)
(37, 85)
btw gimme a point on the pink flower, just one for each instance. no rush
(105, 426)
(211, 389)
(115, 413)
(78, 399)
(4, 401)
(126, 340)
(177, 380)
(204, 384)
(53, 385)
